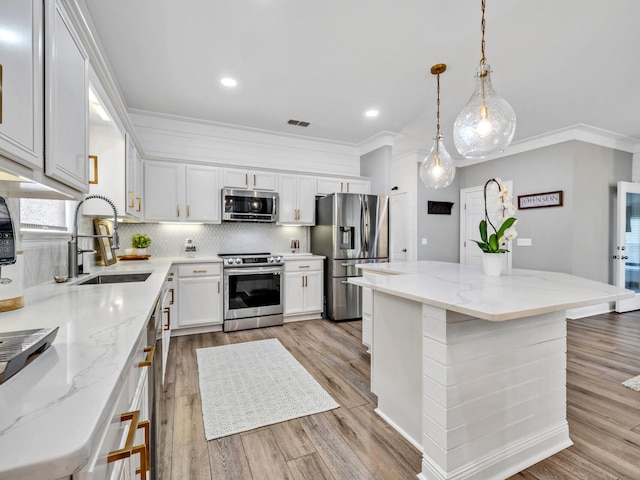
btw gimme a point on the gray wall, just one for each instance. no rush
(576, 238)
(441, 231)
(377, 165)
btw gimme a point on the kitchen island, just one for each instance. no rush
(470, 368)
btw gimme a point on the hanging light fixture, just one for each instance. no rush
(437, 169)
(486, 124)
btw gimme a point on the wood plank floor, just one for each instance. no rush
(352, 442)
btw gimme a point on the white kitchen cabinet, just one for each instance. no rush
(181, 192)
(200, 287)
(248, 179)
(297, 200)
(367, 317)
(134, 181)
(328, 185)
(66, 100)
(303, 288)
(169, 315)
(21, 82)
(112, 459)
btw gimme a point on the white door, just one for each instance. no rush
(472, 200)
(626, 258)
(398, 223)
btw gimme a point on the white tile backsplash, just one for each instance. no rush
(167, 240)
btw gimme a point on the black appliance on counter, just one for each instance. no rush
(252, 290)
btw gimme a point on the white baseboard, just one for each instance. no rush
(507, 462)
(400, 430)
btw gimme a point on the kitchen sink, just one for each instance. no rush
(105, 278)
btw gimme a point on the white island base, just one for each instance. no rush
(483, 399)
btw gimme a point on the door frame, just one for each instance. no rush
(463, 221)
(619, 263)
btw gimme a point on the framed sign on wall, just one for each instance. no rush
(539, 200)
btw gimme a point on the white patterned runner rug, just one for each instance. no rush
(633, 383)
(249, 385)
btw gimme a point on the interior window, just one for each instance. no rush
(44, 215)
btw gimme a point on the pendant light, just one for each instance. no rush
(437, 169)
(486, 124)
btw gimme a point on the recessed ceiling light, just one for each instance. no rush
(371, 113)
(228, 82)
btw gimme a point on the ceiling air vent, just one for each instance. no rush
(299, 123)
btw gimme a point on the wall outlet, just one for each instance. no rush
(523, 242)
(424, 241)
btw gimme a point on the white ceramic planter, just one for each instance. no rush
(492, 264)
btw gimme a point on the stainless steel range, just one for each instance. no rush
(252, 290)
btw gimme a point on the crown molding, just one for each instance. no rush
(381, 139)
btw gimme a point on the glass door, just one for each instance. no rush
(626, 257)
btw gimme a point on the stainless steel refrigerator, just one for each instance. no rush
(350, 228)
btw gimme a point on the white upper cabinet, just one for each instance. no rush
(21, 82)
(181, 192)
(66, 101)
(202, 194)
(328, 185)
(134, 181)
(248, 179)
(296, 201)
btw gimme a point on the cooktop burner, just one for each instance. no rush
(17, 349)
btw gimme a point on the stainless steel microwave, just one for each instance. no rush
(249, 206)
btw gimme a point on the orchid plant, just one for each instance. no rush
(497, 241)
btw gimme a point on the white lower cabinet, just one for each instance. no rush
(120, 454)
(302, 287)
(367, 317)
(200, 286)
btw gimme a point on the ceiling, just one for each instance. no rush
(559, 64)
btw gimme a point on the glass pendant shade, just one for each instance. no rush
(437, 169)
(486, 124)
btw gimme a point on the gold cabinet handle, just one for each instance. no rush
(304, 266)
(151, 351)
(254, 180)
(125, 452)
(131, 192)
(178, 211)
(173, 295)
(143, 451)
(302, 278)
(246, 179)
(139, 204)
(341, 183)
(306, 281)
(218, 286)
(188, 211)
(199, 271)
(167, 310)
(147, 444)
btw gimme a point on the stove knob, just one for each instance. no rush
(229, 261)
(238, 261)
(278, 259)
(270, 259)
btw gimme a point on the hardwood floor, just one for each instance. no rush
(352, 442)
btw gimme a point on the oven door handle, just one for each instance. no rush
(253, 271)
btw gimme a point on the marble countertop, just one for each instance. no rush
(53, 411)
(465, 289)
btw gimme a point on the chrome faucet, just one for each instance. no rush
(73, 243)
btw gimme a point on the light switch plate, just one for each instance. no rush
(424, 241)
(523, 242)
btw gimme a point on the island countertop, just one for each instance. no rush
(465, 289)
